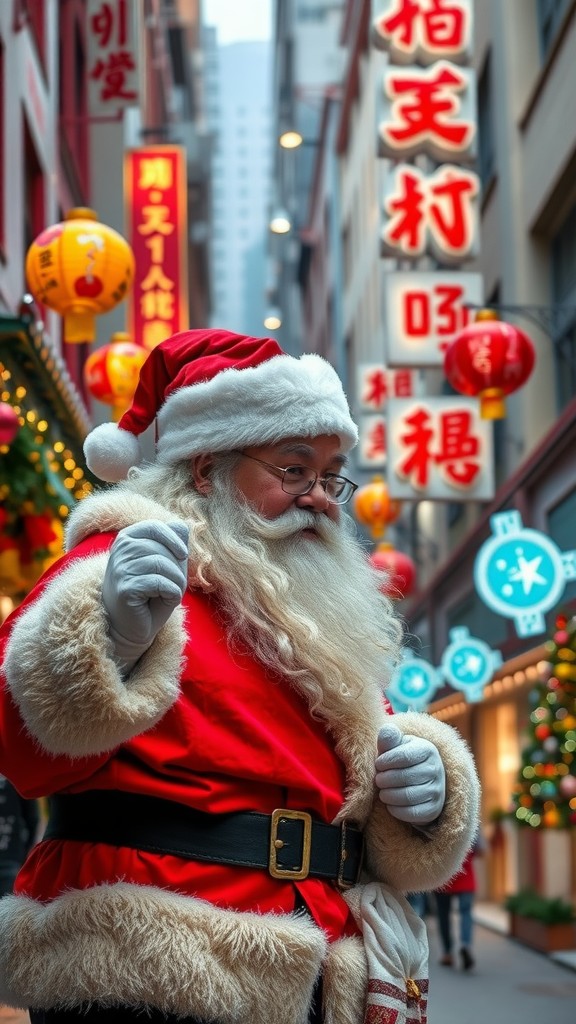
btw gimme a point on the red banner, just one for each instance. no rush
(156, 227)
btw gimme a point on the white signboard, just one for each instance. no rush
(434, 214)
(423, 311)
(439, 449)
(371, 450)
(423, 31)
(376, 384)
(112, 61)
(428, 110)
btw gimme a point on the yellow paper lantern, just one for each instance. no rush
(80, 268)
(111, 372)
(374, 508)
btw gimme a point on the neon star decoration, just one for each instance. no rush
(468, 663)
(414, 682)
(520, 573)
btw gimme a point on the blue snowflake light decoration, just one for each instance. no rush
(520, 573)
(413, 683)
(468, 663)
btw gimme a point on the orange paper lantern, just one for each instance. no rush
(80, 268)
(111, 372)
(374, 508)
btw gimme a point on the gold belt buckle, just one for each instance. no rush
(276, 844)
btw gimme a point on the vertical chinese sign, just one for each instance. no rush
(112, 57)
(426, 136)
(374, 388)
(157, 229)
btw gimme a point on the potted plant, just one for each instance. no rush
(544, 923)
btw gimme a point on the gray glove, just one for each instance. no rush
(410, 776)
(145, 580)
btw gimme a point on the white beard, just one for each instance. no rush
(308, 608)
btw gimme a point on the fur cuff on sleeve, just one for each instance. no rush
(407, 859)
(63, 678)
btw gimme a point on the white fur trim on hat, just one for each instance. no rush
(110, 452)
(282, 397)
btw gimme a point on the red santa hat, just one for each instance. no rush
(211, 391)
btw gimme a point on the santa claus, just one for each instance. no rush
(198, 687)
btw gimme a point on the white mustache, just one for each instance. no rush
(289, 524)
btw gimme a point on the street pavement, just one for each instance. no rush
(510, 984)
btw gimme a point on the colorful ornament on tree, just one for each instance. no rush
(490, 359)
(547, 779)
(80, 268)
(398, 570)
(9, 423)
(111, 372)
(374, 508)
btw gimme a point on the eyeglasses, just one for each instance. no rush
(300, 480)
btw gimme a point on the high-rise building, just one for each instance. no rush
(238, 91)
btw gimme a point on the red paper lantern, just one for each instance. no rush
(398, 569)
(111, 372)
(374, 508)
(491, 359)
(9, 423)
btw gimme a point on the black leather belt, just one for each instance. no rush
(288, 844)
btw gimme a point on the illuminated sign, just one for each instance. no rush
(423, 31)
(429, 111)
(430, 213)
(423, 311)
(520, 573)
(155, 189)
(413, 682)
(468, 663)
(439, 449)
(371, 451)
(376, 384)
(112, 57)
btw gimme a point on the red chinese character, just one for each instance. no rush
(437, 27)
(419, 438)
(403, 384)
(376, 388)
(113, 73)
(422, 107)
(376, 441)
(437, 209)
(407, 226)
(102, 24)
(458, 451)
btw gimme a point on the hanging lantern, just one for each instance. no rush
(374, 508)
(9, 423)
(111, 372)
(398, 569)
(80, 268)
(491, 359)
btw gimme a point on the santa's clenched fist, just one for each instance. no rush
(410, 776)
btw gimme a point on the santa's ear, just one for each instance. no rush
(202, 466)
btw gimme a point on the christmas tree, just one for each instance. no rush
(546, 793)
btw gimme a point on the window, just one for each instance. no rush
(486, 152)
(561, 530)
(482, 622)
(550, 16)
(564, 293)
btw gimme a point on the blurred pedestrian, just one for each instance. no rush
(19, 821)
(461, 889)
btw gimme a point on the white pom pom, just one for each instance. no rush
(110, 452)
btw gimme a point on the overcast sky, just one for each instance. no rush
(239, 19)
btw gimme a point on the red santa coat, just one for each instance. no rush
(219, 733)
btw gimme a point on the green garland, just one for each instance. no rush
(26, 477)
